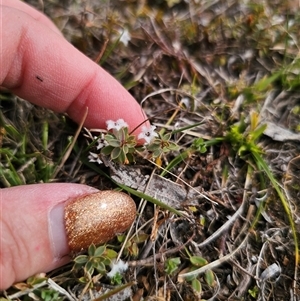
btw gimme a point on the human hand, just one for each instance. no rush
(38, 64)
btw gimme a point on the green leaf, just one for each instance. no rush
(12, 132)
(117, 279)
(203, 149)
(106, 261)
(188, 127)
(196, 285)
(131, 141)
(83, 280)
(209, 278)
(121, 134)
(171, 265)
(285, 204)
(166, 137)
(81, 259)
(111, 253)
(89, 268)
(107, 150)
(150, 199)
(130, 158)
(116, 153)
(34, 280)
(198, 261)
(265, 82)
(177, 160)
(258, 132)
(91, 250)
(100, 267)
(252, 292)
(125, 149)
(157, 153)
(171, 147)
(122, 157)
(121, 238)
(99, 251)
(140, 237)
(133, 250)
(154, 145)
(113, 141)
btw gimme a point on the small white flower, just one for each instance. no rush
(117, 267)
(120, 123)
(100, 142)
(94, 158)
(125, 37)
(148, 134)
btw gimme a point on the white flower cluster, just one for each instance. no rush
(120, 123)
(147, 134)
(93, 157)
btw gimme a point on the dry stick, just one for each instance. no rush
(68, 152)
(114, 291)
(229, 256)
(237, 214)
(98, 58)
(130, 230)
(204, 195)
(161, 91)
(48, 282)
(167, 90)
(245, 282)
(215, 263)
(27, 291)
(149, 261)
(58, 288)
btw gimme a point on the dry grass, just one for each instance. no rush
(209, 62)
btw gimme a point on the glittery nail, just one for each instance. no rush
(97, 218)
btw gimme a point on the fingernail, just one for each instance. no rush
(57, 232)
(94, 218)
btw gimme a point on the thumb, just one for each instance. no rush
(41, 224)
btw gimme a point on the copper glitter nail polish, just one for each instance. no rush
(97, 218)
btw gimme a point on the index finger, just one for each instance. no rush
(38, 64)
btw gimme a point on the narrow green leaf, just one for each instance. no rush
(177, 160)
(263, 165)
(150, 199)
(186, 128)
(265, 82)
(257, 133)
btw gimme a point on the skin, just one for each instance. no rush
(71, 82)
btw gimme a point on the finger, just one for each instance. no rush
(41, 66)
(29, 244)
(38, 16)
(48, 221)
